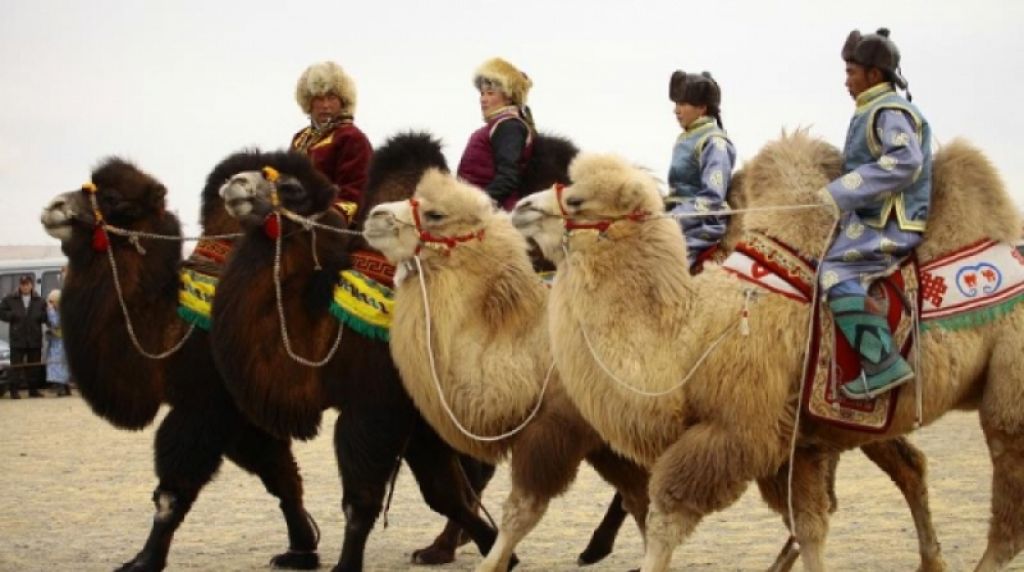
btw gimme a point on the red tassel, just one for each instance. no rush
(272, 226)
(100, 241)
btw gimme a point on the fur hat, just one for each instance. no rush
(323, 78)
(506, 77)
(695, 89)
(875, 51)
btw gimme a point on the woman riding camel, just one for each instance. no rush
(702, 163)
(882, 201)
(336, 146)
(497, 153)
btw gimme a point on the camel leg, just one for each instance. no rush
(813, 500)
(906, 466)
(520, 514)
(436, 468)
(602, 541)
(442, 550)
(188, 452)
(272, 461)
(1006, 529)
(630, 482)
(366, 448)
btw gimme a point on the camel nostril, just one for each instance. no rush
(574, 202)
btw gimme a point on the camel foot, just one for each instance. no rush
(933, 565)
(593, 554)
(433, 555)
(141, 563)
(294, 560)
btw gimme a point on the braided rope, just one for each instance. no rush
(281, 316)
(437, 381)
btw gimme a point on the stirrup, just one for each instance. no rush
(860, 389)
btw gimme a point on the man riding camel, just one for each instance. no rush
(882, 201)
(702, 163)
(337, 148)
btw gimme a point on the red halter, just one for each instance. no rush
(448, 242)
(600, 226)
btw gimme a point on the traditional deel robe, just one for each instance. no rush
(342, 152)
(885, 193)
(698, 180)
(496, 156)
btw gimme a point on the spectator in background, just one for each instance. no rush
(56, 364)
(25, 311)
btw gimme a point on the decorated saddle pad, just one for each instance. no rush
(364, 305)
(199, 277)
(972, 286)
(772, 266)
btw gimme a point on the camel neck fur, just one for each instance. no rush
(489, 338)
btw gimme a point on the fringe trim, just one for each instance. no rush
(359, 326)
(973, 318)
(192, 317)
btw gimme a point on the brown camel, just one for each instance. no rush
(730, 421)
(127, 388)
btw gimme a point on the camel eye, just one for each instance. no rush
(434, 216)
(289, 189)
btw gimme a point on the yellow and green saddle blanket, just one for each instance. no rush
(364, 305)
(195, 298)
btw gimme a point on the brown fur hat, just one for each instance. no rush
(323, 78)
(695, 89)
(875, 51)
(504, 76)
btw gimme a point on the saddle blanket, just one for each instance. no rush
(972, 286)
(199, 277)
(364, 305)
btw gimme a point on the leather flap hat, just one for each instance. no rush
(875, 51)
(695, 89)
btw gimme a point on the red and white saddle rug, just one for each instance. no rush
(972, 286)
(772, 266)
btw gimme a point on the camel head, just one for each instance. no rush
(253, 178)
(607, 187)
(538, 218)
(125, 196)
(443, 213)
(786, 172)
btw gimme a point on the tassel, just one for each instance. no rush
(272, 226)
(100, 240)
(745, 315)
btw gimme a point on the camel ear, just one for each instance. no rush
(630, 194)
(157, 194)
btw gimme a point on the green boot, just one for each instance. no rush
(882, 366)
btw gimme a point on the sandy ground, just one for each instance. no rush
(75, 496)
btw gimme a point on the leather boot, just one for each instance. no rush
(882, 366)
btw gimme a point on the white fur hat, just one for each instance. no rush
(506, 77)
(323, 78)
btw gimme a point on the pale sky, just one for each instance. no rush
(177, 86)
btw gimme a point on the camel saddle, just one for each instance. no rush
(199, 276)
(966, 288)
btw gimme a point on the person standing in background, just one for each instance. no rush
(56, 364)
(25, 311)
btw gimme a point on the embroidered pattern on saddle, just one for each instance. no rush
(199, 277)
(364, 305)
(972, 286)
(769, 264)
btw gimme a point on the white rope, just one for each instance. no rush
(134, 235)
(310, 222)
(281, 319)
(128, 320)
(437, 381)
(791, 521)
(918, 372)
(642, 392)
(727, 212)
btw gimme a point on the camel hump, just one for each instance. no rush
(549, 163)
(969, 202)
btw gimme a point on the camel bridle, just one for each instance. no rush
(601, 226)
(443, 243)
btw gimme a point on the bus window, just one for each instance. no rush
(51, 281)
